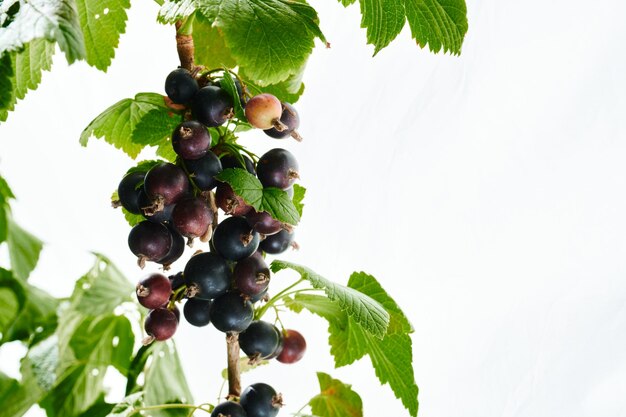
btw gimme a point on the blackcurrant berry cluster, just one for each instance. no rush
(181, 200)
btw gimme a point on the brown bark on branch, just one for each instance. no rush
(185, 48)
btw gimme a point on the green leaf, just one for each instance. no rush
(278, 204)
(261, 48)
(24, 250)
(364, 310)
(173, 10)
(298, 196)
(106, 340)
(54, 20)
(5, 195)
(13, 300)
(8, 386)
(21, 396)
(273, 200)
(102, 22)
(384, 20)
(127, 406)
(99, 409)
(244, 184)
(36, 317)
(6, 78)
(101, 290)
(156, 126)
(165, 381)
(391, 357)
(228, 84)
(442, 24)
(211, 50)
(95, 343)
(335, 399)
(27, 67)
(117, 123)
(288, 90)
(136, 368)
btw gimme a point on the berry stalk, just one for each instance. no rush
(234, 372)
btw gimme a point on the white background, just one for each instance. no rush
(486, 193)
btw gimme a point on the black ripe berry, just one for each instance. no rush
(180, 86)
(229, 202)
(149, 241)
(230, 312)
(128, 191)
(191, 140)
(263, 223)
(263, 111)
(212, 106)
(294, 347)
(277, 168)
(234, 239)
(202, 171)
(260, 340)
(228, 409)
(290, 119)
(278, 243)
(192, 217)
(261, 400)
(209, 274)
(165, 184)
(153, 291)
(177, 249)
(196, 312)
(251, 276)
(161, 324)
(146, 205)
(231, 161)
(177, 280)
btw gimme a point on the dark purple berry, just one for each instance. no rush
(177, 249)
(209, 273)
(230, 312)
(251, 276)
(263, 222)
(228, 409)
(277, 168)
(294, 347)
(261, 400)
(128, 191)
(191, 140)
(161, 324)
(192, 217)
(212, 106)
(165, 184)
(149, 241)
(153, 291)
(234, 239)
(147, 208)
(202, 171)
(180, 86)
(290, 119)
(278, 243)
(230, 161)
(196, 312)
(259, 340)
(229, 202)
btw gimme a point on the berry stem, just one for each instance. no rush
(184, 44)
(234, 373)
(259, 313)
